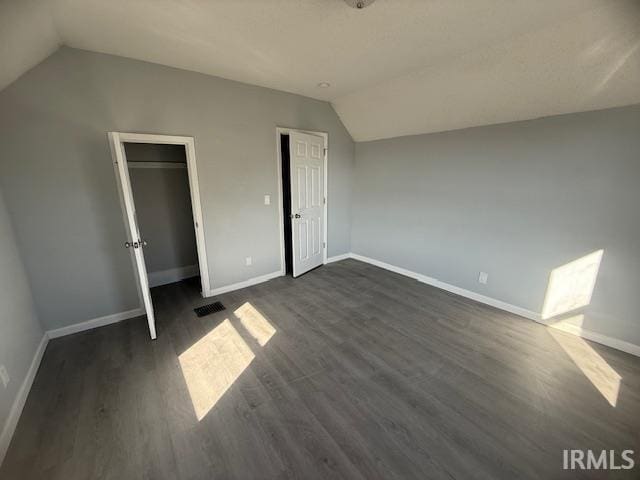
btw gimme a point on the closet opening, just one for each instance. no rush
(160, 187)
(157, 181)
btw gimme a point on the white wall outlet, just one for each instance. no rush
(248, 261)
(483, 277)
(4, 376)
(267, 199)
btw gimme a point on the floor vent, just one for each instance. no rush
(207, 309)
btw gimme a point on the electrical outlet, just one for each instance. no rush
(4, 376)
(483, 277)
(248, 261)
(267, 199)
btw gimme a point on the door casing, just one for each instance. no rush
(116, 142)
(325, 136)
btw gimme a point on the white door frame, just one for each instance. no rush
(286, 130)
(117, 139)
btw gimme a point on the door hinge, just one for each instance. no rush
(324, 200)
(324, 244)
(325, 151)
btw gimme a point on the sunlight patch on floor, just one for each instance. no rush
(592, 365)
(255, 323)
(571, 324)
(212, 364)
(571, 285)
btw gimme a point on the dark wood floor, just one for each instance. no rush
(347, 372)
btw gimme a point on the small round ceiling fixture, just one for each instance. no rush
(359, 4)
(324, 85)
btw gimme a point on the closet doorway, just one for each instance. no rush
(158, 185)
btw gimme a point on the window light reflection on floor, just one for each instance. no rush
(603, 377)
(571, 288)
(215, 362)
(255, 323)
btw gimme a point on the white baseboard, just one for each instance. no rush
(95, 323)
(595, 337)
(337, 258)
(172, 275)
(243, 284)
(523, 312)
(23, 393)
(21, 398)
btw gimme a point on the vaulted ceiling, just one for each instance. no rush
(397, 67)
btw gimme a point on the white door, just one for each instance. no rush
(134, 239)
(307, 201)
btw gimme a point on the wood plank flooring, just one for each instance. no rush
(347, 372)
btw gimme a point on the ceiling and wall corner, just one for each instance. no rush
(27, 36)
(397, 67)
(589, 60)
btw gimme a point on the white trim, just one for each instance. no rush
(156, 165)
(338, 258)
(21, 398)
(326, 197)
(113, 146)
(172, 275)
(523, 312)
(95, 323)
(245, 283)
(153, 138)
(325, 136)
(194, 189)
(135, 237)
(196, 204)
(595, 337)
(280, 196)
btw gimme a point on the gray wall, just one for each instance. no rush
(20, 330)
(163, 207)
(59, 182)
(514, 200)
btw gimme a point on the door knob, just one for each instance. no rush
(297, 215)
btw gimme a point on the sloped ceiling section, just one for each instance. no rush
(588, 61)
(27, 36)
(398, 67)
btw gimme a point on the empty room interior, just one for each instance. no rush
(319, 239)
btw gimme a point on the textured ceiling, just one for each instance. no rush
(398, 67)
